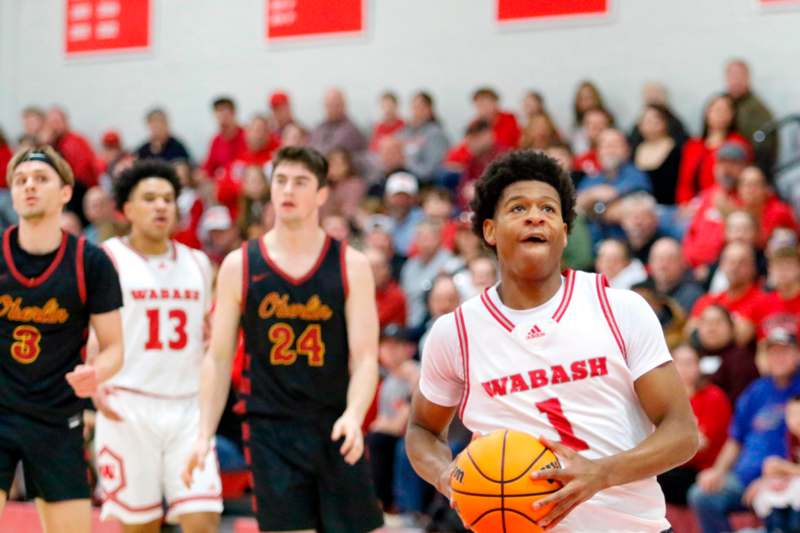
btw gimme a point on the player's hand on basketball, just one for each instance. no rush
(582, 479)
(349, 428)
(197, 459)
(101, 403)
(83, 380)
(711, 480)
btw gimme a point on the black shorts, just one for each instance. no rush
(302, 482)
(52, 457)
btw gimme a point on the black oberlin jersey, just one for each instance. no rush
(295, 335)
(44, 319)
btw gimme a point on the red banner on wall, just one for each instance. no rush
(313, 18)
(106, 25)
(778, 3)
(518, 10)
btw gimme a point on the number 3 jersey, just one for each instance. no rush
(295, 335)
(564, 370)
(166, 299)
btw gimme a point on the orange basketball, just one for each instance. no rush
(491, 486)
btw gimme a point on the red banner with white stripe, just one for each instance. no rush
(106, 25)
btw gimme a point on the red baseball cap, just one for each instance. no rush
(111, 139)
(278, 98)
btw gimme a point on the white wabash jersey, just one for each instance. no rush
(166, 299)
(564, 375)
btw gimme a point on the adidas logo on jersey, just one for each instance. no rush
(534, 333)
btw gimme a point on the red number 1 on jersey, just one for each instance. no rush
(555, 415)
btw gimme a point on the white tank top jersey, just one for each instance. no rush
(166, 299)
(564, 370)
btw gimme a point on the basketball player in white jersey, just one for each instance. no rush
(559, 356)
(149, 411)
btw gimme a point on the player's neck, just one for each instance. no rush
(147, 246)
(40, 236)
(295, 239)
(519, 293)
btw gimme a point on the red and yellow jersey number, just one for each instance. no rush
(26, 349)
(285, 351)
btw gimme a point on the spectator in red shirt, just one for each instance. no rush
(282, 115)
(228, 143)
(390, 123)
(389, 296)
(5, 157)
(781, 306)
(595, 122)
(483, 147)
(504, 124)
(704, 239)
(587, 96)
(712, 409)
(113, 158)
(758, 199)
(700, 153)
(738, 263)
(260, 143)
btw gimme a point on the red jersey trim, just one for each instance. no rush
(343, 267)
(200, 497)
(569, 285)
(32, 282)
(80, 269)
(171, 244)
(463, 343)
(245, 275)
(495, 312)
(602, 283)
(131, 509)
(295, 281)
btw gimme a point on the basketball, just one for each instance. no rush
(491, 485)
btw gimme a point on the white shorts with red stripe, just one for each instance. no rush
(139, 460)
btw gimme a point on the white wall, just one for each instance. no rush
(206, 47)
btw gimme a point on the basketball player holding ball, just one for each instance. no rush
(559, 356)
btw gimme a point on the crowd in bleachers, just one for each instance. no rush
(686, 214)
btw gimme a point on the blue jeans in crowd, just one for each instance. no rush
(712, 508)
(786, 520)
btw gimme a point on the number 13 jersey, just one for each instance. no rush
(564, 370)
(295, 335)
(166, 299)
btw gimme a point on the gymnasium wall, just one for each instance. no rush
(202, 48)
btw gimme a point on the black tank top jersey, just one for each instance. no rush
(295, 335)
(43, 327)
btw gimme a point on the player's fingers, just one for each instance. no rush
(186, 475)
(551, 499)
(355, 452)
(558, 511)
(560, 474)
(558, 520)
(561, 450)
(110, 413)
(336, 433)
(349, 440)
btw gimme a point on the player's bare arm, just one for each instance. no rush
(426, 441)
(362, 333)
(674, 441)
(85, 378)
(215, 374)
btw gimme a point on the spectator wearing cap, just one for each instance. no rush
(504, 124)
(738, 264)
(669, 274)
(614, 261)
(425, 142)
(113, 158)
(260, 143)
(229, 141)
(712, 410)
(698, 161)
(654, 94)
(781, 305)
(598, 195)
(337, 129)
(378, 235)
(595, 121)
(218, 234)
(400, 374)
(757, 198)
(161, 144)
(282, 115)
(390, 122)
(75, 149)
(704, 237)
(483, 147)
(419, 271)
(758, 431)
(389, 296)
(400, 196)
(751, 112)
